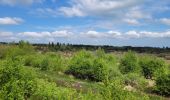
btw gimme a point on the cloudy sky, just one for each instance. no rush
(109, 22)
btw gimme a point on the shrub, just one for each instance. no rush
(151, 66)
(3, 51)
(15, 51)
(114, 91)
(16, 82)
(129, 63)
(83, 65)
(56, 62)
(33, 60)
(28, 60)
(44, 64)
(135, 80)
(49, 91)
(100, 69)
(163, 85)
(100, 53)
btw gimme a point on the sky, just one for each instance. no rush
(94, 22)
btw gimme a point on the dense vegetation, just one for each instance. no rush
(31, 74)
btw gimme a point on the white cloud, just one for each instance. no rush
(92, 34)
(132, 34)
(151, 34)
(132, 21)
(19, 2)
(5, 34)
(126, 35)
(61, 34)
(165, 21)
(10, 21)
(64, 34)
(97, 7)
(55, 34)
(45, 12)
(36, 34)
(137, 13)
(114, 34)
(70, 12)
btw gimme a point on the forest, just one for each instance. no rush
(83, 72)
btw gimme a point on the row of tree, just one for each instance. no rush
(107, 48)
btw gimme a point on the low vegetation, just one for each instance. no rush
(29, 74)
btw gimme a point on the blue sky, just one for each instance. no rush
(104, 22)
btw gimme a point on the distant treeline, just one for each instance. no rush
(107, 48)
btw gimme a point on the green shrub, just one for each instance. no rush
(45, 64)
(100, 69)
(151, 66)
(49, 91)
(56, 62)
(15, 51)
(16, 82)
(100, 53)
(28, 60)
(34, 60)
(3, 51)
(114, 91)
(163, 85)
(129, 63)
(85, 66)
(136, 81)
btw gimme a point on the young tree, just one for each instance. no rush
(129, 63)
(151, 66)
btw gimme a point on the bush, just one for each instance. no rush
(33, 60)
(49, 61)
(129, 63)
(151, 66)
(83, 65)
(56, 62)
(136, 81)
(15, 51)
(114, 91)
(163, 85)
(44, 64)
(16, 82)
(49, 91)
(3, 51)
(100, 69)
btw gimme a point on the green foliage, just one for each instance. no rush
(19, 82)
(100, 53)
(45, 64)
(129, 63)
(84, 65)
(49, 61)
(25, 45)
(136, 81)
(114, 91)
(33, 60)
(100, 69)
(16, 82)
(14, 51)
(49, 91)
(151, 66)
(163, 85)
(3, 51)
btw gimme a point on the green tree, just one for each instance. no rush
(129, 63)
(151, 66)
(16, 82)
(163, 85)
